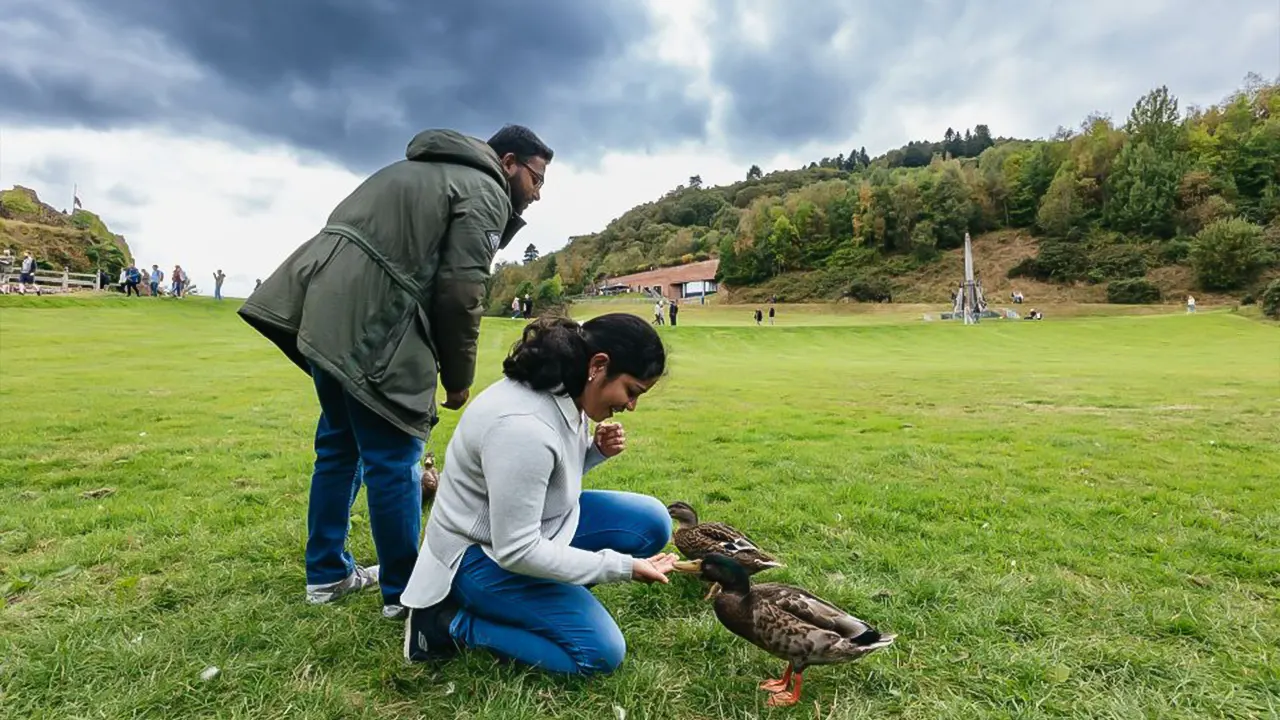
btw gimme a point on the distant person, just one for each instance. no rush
(383, 299)
(673, 310)
(657, 312)
(759, 316)
(1191, 304)
(132, 276)
(770, 314)
(526, 306)
(157, 277)
(27, 271)
(218, 277)
(515, 308)
(257, 283)
(179, 279)
(513, 541)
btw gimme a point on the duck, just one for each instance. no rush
(785, 621)
(696, 540)
(430, 478)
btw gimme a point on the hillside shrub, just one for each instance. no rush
(1132, 291)
(1117, 262)
(870, 287)
(1271, 300)
(1228, 254)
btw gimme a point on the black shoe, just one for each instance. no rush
(426, 632)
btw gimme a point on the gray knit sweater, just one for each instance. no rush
(511, 481)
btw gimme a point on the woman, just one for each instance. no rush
(512, 541)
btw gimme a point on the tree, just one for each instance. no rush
(1154, 120)
(863, 158)
(1028, 176)
(1062, 213)
(549, 268)
(695, 182)
(550, 292)
(530, 253)
(950, 207)
(981, 140)
(1144, 189)
(1228, 254)
(754, 173)
(784, 244)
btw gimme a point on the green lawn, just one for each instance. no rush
(1074, 518)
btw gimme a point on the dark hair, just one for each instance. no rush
(554, 352)
(521, 141)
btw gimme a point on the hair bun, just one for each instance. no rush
(550, 355)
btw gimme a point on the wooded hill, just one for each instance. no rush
(1166, 201)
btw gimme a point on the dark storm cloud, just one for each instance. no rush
(821, 64)
(356, 78)
(807, 78)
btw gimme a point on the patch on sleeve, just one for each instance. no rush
(495, 239)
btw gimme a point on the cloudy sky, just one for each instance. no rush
(220, 133)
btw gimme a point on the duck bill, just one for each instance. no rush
(691, 567)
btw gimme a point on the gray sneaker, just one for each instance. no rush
(394, 612)
(362, 578)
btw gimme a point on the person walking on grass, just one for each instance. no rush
(157, 277)
(218, 277)
(513, 542)
(132, 276)
(27, 271)
(383, 299)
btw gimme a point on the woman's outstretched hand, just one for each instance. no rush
(611, 439)
(654, 569)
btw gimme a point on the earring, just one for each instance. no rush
(591, 377)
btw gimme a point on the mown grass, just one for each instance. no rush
(1073, 518)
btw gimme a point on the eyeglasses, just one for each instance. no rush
(538, 177)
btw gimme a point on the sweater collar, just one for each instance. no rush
(572, 415)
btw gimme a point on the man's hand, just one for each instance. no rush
(455, 399)
(611, 439)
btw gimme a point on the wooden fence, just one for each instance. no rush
(65, 280)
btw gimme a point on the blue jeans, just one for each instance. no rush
(355, 446)
(552, 625)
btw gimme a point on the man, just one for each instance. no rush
(386, 296)
(27, 272)
(157, 277)
(218, 277)
(132, 276)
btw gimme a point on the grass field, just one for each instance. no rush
(1074, 518)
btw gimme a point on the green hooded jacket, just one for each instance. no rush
(391, 290)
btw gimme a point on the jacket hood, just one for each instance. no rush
(453, 147)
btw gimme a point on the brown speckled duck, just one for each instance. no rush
(430, 478)
(696, 540)
(785, 621)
